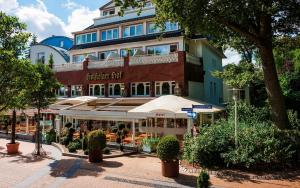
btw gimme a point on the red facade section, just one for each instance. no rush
(176, 71)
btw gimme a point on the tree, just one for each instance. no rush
(51, 61)
(257, 21)
(42, 95)
(16, 75)
(34, 40)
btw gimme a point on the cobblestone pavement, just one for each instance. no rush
(24, 170)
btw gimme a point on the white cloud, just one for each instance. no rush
(70, 5)
(232, 57)
(45, 24)
(80, 19)
(5, 6)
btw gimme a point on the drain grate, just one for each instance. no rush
(135, 182)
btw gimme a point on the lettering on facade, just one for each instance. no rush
(105, 76)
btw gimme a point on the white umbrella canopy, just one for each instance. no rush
(171, 104)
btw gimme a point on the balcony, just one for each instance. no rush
(193, 59)
(115, 62)
(68, 67)
(158, 59)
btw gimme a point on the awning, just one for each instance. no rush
(170, 106)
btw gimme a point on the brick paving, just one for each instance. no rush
(24, 170)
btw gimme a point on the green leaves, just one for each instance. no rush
(238, 76)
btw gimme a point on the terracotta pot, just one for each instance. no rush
(95, 156)
(12, 148)
(170, 168)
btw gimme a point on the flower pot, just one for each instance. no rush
(12, 148)
(170, 168)
(95, 156)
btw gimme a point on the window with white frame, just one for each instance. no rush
(86, 38)
(116, 89)
(164, 88)
(169, 26)
(105, 54)
(108, 12)
(140, 89)
(62, 91)
(110, 34)
(41, 57)
(132, 30)
(79, 58)
(130, 52)
(162, 49)
(76, 90)
(97, 90)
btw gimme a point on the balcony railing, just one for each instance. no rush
(193, 59)
(116, 62)
(68, 67)
(158, 59)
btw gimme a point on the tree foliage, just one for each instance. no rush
(238, 76)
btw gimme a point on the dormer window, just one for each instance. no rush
(108, 12)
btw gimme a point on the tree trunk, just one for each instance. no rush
(276, 98)
(13, 127)
(38, 140)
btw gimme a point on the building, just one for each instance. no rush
(56, 45)
(127, 58)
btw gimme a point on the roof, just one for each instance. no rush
(171, 106)
(68, 38)
(63, 52)
(101, 8)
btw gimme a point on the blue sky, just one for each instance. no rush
(45, 18)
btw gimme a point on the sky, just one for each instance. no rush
(45, 18)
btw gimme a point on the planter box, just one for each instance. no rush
(147, 149)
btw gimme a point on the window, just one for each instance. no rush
(162, 49)
(131, 51)
(164, 88)
(97, 90)
(133, 30)
(116, 89)
(86, 38)
(110, 34)
(140, 89)
(61, 44)
(169, 26)
(105, 54)
(41, 57)
(76, 90)
(108, 12)
(61, 92)
(79, 58)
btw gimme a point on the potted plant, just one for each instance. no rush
(149, 144)
(96, 143)
(168, 151)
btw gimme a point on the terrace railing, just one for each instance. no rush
(155, 59)
(68, 67)
(116, 62)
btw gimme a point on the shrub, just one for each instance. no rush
(203, 179)
(85, 143)
(96, 140)
(260, 145)
(294, 120)
(73, 146)
(106, 150)
(168, 148)
(151, 142)
(50, 136)
(86, 152)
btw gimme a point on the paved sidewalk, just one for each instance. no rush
(24, 170)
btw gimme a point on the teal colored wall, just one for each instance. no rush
(212, 61)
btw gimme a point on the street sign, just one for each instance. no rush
(203, 106)
(192, 114)
(187, 109)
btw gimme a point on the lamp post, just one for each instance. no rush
(235, 96)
